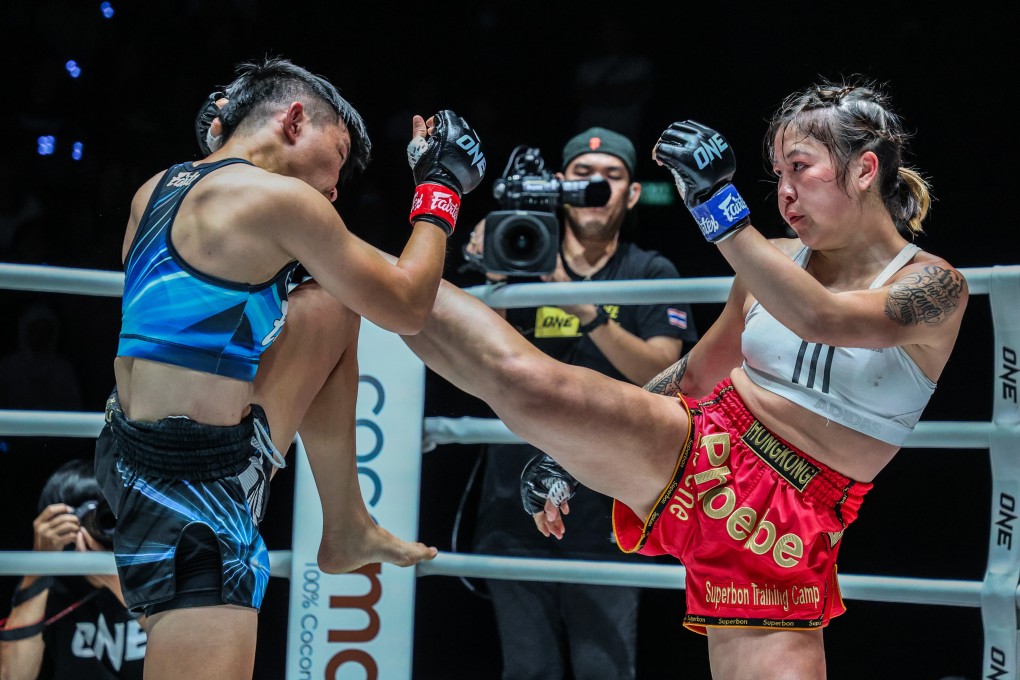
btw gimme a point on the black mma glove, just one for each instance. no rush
(543, 478)
(203, 124)
(447, 164)
(703, 164)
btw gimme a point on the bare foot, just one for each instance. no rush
(341, 552)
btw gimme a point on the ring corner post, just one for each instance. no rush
(999, 612)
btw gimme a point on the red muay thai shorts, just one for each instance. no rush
(757, 523)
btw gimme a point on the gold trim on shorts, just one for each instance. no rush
(667, 492)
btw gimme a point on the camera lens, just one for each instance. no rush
(582, 193)
(85, 509)
(523, 240)
(105, 522)
(98, 519)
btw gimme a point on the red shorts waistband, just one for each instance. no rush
(809, 476)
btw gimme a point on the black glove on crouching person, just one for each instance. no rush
(543, 478)
(207, 113)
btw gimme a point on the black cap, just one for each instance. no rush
(600, 140)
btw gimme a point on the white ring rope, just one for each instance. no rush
(43, 279)
(467, 430)
(871, 588)
(18, 562)
(998, 595)
(46, 279)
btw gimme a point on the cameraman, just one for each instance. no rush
(548, 629)
(71, 626)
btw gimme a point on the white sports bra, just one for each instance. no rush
(879, 392)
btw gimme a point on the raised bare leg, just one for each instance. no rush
(616, 438)
(308, 382)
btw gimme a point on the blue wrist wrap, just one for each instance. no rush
(721, 214)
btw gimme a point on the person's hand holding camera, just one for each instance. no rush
(58, 527)
(586, 313)
(55, 528)
(474, 251)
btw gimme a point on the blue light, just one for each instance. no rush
(72, 68)
(107, 9)
(46, 144)
(76, 151)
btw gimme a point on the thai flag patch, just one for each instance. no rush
(676, 317)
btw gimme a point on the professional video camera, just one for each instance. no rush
(524, 237)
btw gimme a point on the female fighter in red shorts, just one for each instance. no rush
(749, 458)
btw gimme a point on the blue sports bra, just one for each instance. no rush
(175, 314)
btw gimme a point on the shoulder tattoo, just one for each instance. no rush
(668, 382)
(926, 297)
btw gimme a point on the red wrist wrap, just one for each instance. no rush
(435, 199)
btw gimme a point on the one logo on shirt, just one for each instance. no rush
(676, 317)
(553, 322)
(125, 642)
(182, 179)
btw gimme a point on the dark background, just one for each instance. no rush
(521, 73)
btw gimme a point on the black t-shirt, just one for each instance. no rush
(98, 640)
(503, 528)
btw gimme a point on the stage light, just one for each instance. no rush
(45, 145)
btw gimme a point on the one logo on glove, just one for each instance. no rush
(709, 150)
(474, 151)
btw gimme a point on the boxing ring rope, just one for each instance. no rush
(997, 594)
(467, 430)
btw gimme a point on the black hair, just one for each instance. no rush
(261, 85)
(72, 483)
(851, 117)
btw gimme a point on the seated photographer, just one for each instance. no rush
(590, 630)
(67, 627)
